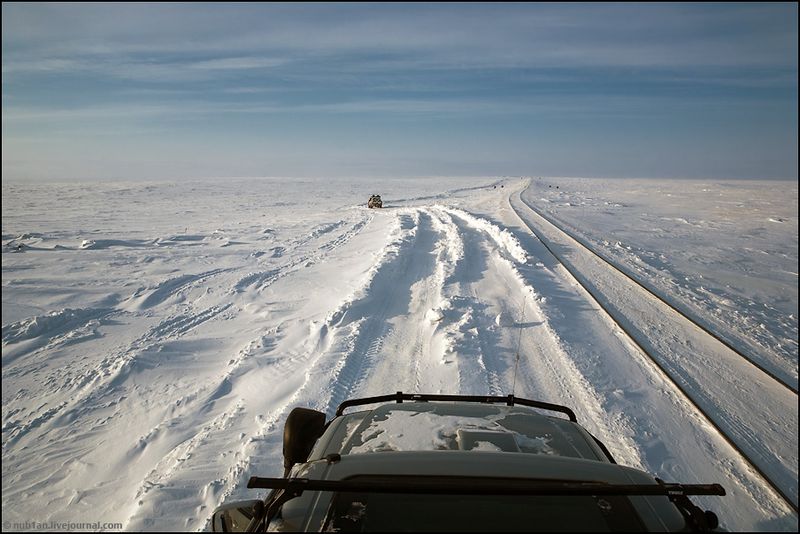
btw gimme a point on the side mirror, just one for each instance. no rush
(236, 516)
(303, 428)
(711, 520)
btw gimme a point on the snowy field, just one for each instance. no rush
(156, 335)
(725, 251)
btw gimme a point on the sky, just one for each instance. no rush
(172, 91)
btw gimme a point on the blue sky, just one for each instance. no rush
(170, 91)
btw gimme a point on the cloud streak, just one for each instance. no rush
(471, 36)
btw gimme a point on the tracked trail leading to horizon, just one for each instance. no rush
(634, 318)
(451, 259)
(431, 295)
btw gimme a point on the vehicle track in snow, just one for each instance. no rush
(257, 361)
(477, 328)
(502, 276)
(690, 317)
(166, 311)
(641, 313)
(265, 278)
(393, 339)
(390, 332)
(730, 320)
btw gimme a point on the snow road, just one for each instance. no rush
(151, 375)
(703, 366)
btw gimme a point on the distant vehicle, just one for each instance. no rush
(458, 463)
(375, 202)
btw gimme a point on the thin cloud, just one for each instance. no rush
(469, 36)
(327, 73)
(236, 63)
(147, 69)
(554, 106)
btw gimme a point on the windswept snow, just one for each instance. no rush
(155, 336)
(713, 247)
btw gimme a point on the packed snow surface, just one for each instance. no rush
(156, 335)
(726, 251)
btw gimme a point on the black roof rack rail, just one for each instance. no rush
(510, 400)
(286, 489)
(456, 485)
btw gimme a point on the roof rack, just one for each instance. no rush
(509, 400)
(285, 489)
(480, 486)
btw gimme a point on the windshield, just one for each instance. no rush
(360, 512)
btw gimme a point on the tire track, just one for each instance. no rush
(680, 309)
(368, 321)
(264, 279)
(507, 260)
(144, 299)
(491, 252)
(94, 384)
(741, 440)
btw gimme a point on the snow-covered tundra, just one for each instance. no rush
(156, 335)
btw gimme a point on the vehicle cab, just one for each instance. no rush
(436, 462)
